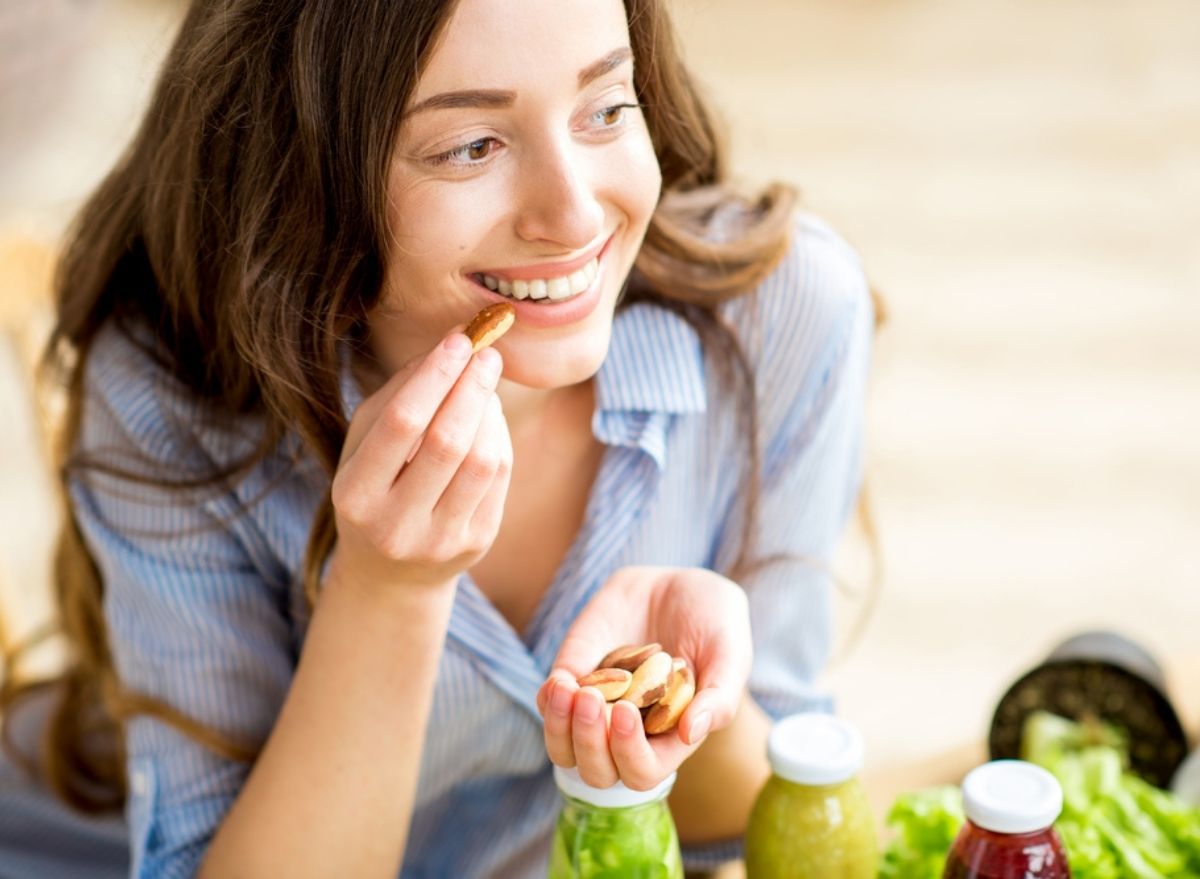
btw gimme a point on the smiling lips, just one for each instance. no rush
(546, 282)
(549, 289)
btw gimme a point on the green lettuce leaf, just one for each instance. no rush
(1114, 825)
(926, 823)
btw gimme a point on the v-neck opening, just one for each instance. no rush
(570, 560)
(627, 479)
(529, 638)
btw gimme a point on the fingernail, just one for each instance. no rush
(561, 699)
(588, 706)
(622, 720)
(458, 346)
(700, 727)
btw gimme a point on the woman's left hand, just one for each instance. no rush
(693, 613)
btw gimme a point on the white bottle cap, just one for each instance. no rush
(1011, 796)
(815, 749)
(616, 797)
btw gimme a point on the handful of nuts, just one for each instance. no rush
(660, 685)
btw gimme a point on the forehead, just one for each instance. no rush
(521, 44)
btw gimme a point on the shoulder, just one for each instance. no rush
(150, 461)
(136, 415)
(811, 312)
(131, 402)
(815, 295)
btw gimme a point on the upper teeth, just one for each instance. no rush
(546, 288)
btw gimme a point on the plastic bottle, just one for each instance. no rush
(614, 832)
(812, 818)
(1011, 807)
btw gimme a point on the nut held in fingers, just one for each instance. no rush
(611, 682)
(680, 691)
(490, 324)
(650, 680)
(630, 656)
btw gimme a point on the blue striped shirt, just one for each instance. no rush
(212, 620)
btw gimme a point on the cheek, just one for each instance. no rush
(640, 180)
(431, 228)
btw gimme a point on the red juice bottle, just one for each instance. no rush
(1011, 807)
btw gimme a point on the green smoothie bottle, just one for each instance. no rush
(812, 819)
(613, 832)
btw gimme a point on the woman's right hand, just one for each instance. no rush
(419, 492)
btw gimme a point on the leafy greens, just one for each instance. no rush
(1114, 825)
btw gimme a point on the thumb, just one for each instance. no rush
(579, 654)
(711, 710)
(718, 693)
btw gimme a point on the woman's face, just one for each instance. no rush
(517, 168)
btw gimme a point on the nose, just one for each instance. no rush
(558, 200)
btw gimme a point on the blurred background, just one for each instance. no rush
(1022, 180)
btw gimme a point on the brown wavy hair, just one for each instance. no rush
(246, 226)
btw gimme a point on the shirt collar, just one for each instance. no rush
(655, 363)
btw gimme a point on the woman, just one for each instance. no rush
(346, 572)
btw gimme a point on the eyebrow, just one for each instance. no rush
(611, 61)
(494, 99)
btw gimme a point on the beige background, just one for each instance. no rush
(1022, 178)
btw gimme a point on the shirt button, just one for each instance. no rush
(139, 783)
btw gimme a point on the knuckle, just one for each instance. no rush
(445, 446)
(393, 541)
(391, 545)
(480, 465)
(597, 777)
(445, 551)
(504, 461)
(638, 781)
(434, 551)
(481, 381)
(348, 501)
(401, 420)
(479, 543)
(340, 494)
(446, 369)
(491, 528)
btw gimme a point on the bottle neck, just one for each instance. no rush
(1007, 838)
(576, 804)
(832, 788)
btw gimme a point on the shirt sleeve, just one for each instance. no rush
(196, 616)
(810, 329)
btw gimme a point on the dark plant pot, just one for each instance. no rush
(1104, 675)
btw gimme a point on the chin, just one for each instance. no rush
(555, 365)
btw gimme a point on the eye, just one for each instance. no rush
(469, 153)
(477, 149)
(611, 117)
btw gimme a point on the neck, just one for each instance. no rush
(544, 410)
